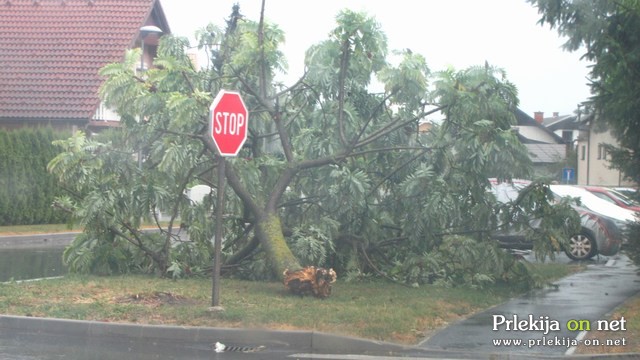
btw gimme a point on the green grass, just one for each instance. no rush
(374, 310)
(36, 229)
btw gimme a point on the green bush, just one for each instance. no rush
(27, 190)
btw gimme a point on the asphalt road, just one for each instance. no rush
(24, 338)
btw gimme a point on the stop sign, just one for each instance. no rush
(228, 122)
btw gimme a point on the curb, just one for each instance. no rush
(202, 337)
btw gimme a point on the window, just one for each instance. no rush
(583, 152)
(602, 152)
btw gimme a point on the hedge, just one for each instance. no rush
(27, 190)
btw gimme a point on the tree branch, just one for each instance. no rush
(280, 187)
(366, 124)
(344, 64)
(392, 126)
(397, 169)
(381, 273)
(284, 137)
(262, 79)
(240, 190)
(241, 254)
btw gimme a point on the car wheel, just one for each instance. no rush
(581, 247)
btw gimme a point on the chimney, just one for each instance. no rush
(539, 116)
(556, 114)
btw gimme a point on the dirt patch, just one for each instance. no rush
(156, 298)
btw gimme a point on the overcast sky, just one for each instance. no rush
(458, 33)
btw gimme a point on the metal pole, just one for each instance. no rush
(215, 293)
(142, 56)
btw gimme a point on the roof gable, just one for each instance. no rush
(532, 131)
(564, 122)
(51, 52)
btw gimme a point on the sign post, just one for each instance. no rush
(228, 129)
(217, 247)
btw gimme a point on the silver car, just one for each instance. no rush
(599, 233)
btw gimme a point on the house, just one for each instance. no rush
(51, 53)
(593, 167)
(568, 127)
(593, 160)
(545, 148)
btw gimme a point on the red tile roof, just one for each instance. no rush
(51, 52)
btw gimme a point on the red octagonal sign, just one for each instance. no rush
(228, 122)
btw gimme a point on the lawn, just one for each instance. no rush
(375, 310)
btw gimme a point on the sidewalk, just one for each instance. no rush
(541, 319)
(37, 240)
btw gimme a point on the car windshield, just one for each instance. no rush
(594, 203)
(623, 198)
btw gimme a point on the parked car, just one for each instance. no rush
(599, 233)
(627, 191)
(614, 197)
(604, 211)
(594, 203)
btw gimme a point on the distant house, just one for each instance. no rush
(593, 160)
(545, 148)
(52, 50)
(568, 127)
(425, 127)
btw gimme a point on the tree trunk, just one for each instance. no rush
(268, 227)
(269, 231)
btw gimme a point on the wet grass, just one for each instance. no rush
(374, 310)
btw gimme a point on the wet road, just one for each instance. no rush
(69, 340)
(25, 264)
(548, 321)
(24, 257)
(48, 346)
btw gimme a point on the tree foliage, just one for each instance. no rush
(333, 174)
(607, 32)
